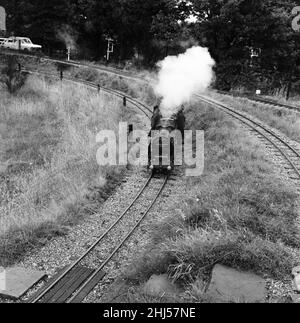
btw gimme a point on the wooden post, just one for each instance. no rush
(288, 88)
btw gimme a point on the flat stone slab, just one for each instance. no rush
(159, 286)
(296, 298)
(296, 275)
(15, 282)
(229, 285)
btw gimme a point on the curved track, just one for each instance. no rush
(54, 293)
(127, 75)
(290, 154)
(108, 70)
(262, 100)
(85, 288)
(136, 103)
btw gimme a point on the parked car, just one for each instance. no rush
(2, 40)
(20, 43)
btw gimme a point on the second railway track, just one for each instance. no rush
(281, 146)
(262, 100)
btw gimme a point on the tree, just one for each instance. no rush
(132, 23)
(169, 29)
(231, 28)
(12, 75)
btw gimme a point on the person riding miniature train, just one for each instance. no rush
(178, 118)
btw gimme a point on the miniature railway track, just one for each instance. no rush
(76, 282)
(262, 100)
(289, 153)
(127, 75)
(285, 149)
(104, 69)
(282, 148)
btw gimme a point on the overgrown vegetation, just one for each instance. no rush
(240, 214)
(253, 42)
(11, 75)
(50, 178)
(136, 89)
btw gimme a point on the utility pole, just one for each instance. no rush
(255, 54)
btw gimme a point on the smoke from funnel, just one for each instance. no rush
(182, 76)
(68, 36)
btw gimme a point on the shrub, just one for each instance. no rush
(12, 75)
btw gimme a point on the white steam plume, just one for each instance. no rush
(182, 76)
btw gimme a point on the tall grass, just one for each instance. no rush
(240, 213)
(134, 88)
(49, 175)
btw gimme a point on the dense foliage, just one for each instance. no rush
(146, 31)
(231, 28)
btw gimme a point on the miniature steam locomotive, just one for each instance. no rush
(161, 147)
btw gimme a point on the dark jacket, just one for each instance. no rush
(179, 117)
(180, 120)
(155, 117)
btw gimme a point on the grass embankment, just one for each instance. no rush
(50, 178)
(240, 214)
(135, 88)
(286, 121)
(294, 100)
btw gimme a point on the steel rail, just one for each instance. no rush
(72, 266)
(77, 293)
(242, 118)
(78, 64)
(135, 78)
(138, 104)
(73, 63)
(261, 100)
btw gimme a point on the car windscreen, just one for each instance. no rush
(27, 41)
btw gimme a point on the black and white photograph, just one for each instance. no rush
(149, 155)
